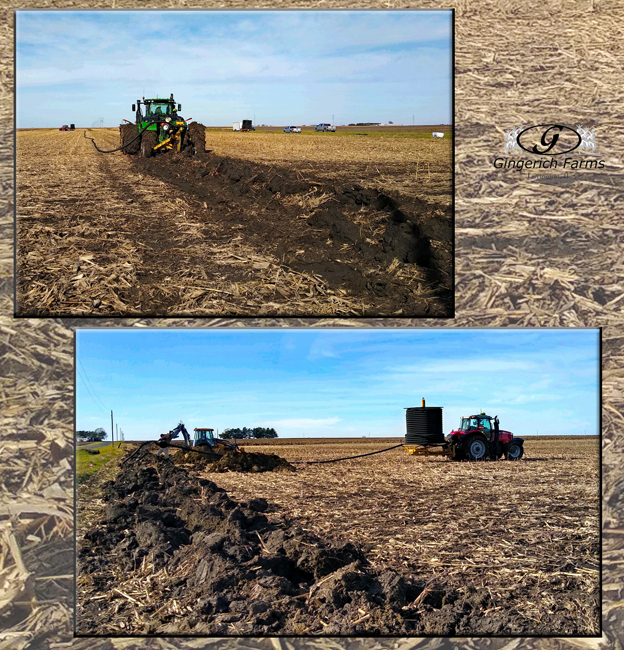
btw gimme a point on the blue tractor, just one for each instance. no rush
(204, 436)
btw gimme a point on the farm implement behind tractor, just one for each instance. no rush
(478, 437)
(159, 127)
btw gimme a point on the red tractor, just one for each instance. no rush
(65, 127)
(479, 437)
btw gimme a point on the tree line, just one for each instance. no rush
(246, 433)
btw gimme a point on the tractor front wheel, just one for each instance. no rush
(476, 448)
(149, 140)
(515, 451)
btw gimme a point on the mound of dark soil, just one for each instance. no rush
(197, 137)
(228, 568)
(232, 461)
(193, 459)
(330, 241)
(173, 554)
(243, 461)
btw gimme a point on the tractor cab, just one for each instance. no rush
(204, 436)
(481, 422)
(156, 109)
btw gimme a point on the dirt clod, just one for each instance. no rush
(227, 567)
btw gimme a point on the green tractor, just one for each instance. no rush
(158, 127)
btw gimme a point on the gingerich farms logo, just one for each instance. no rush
(548, 147)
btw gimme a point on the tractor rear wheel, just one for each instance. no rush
(149, 140)
(129, 132)
(476, 448)
(515, 451)
(196, 137)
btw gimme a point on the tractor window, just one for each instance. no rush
(158, 109)
(485, 423)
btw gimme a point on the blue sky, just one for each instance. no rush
(335, 382)
(283, 67)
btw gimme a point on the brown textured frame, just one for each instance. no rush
(527, 254)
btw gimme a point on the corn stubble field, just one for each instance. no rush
(442, 548)
(261, 224)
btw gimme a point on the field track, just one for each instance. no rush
(214, 235)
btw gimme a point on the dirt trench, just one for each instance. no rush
(198, 234)
(174, 554)
(354, 238)
(199, 562)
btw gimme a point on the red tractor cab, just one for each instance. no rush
(479, 436)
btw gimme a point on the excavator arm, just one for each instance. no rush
(181, 429)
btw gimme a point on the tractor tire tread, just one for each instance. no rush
(469, 441)
(149, 139)
(128, 132)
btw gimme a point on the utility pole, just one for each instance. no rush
(112, 430)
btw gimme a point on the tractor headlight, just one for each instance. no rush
(167, 119)
(166, 127)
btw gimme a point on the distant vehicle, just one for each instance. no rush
(72, 127)
(437, 134)
(324, 127)
(292, 129)
(65, 127)
(244, 125)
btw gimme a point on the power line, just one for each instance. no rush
(100, 405)
(90, 384)
(88, 391)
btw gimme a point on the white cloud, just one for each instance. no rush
(321, 349)
(272, 62)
